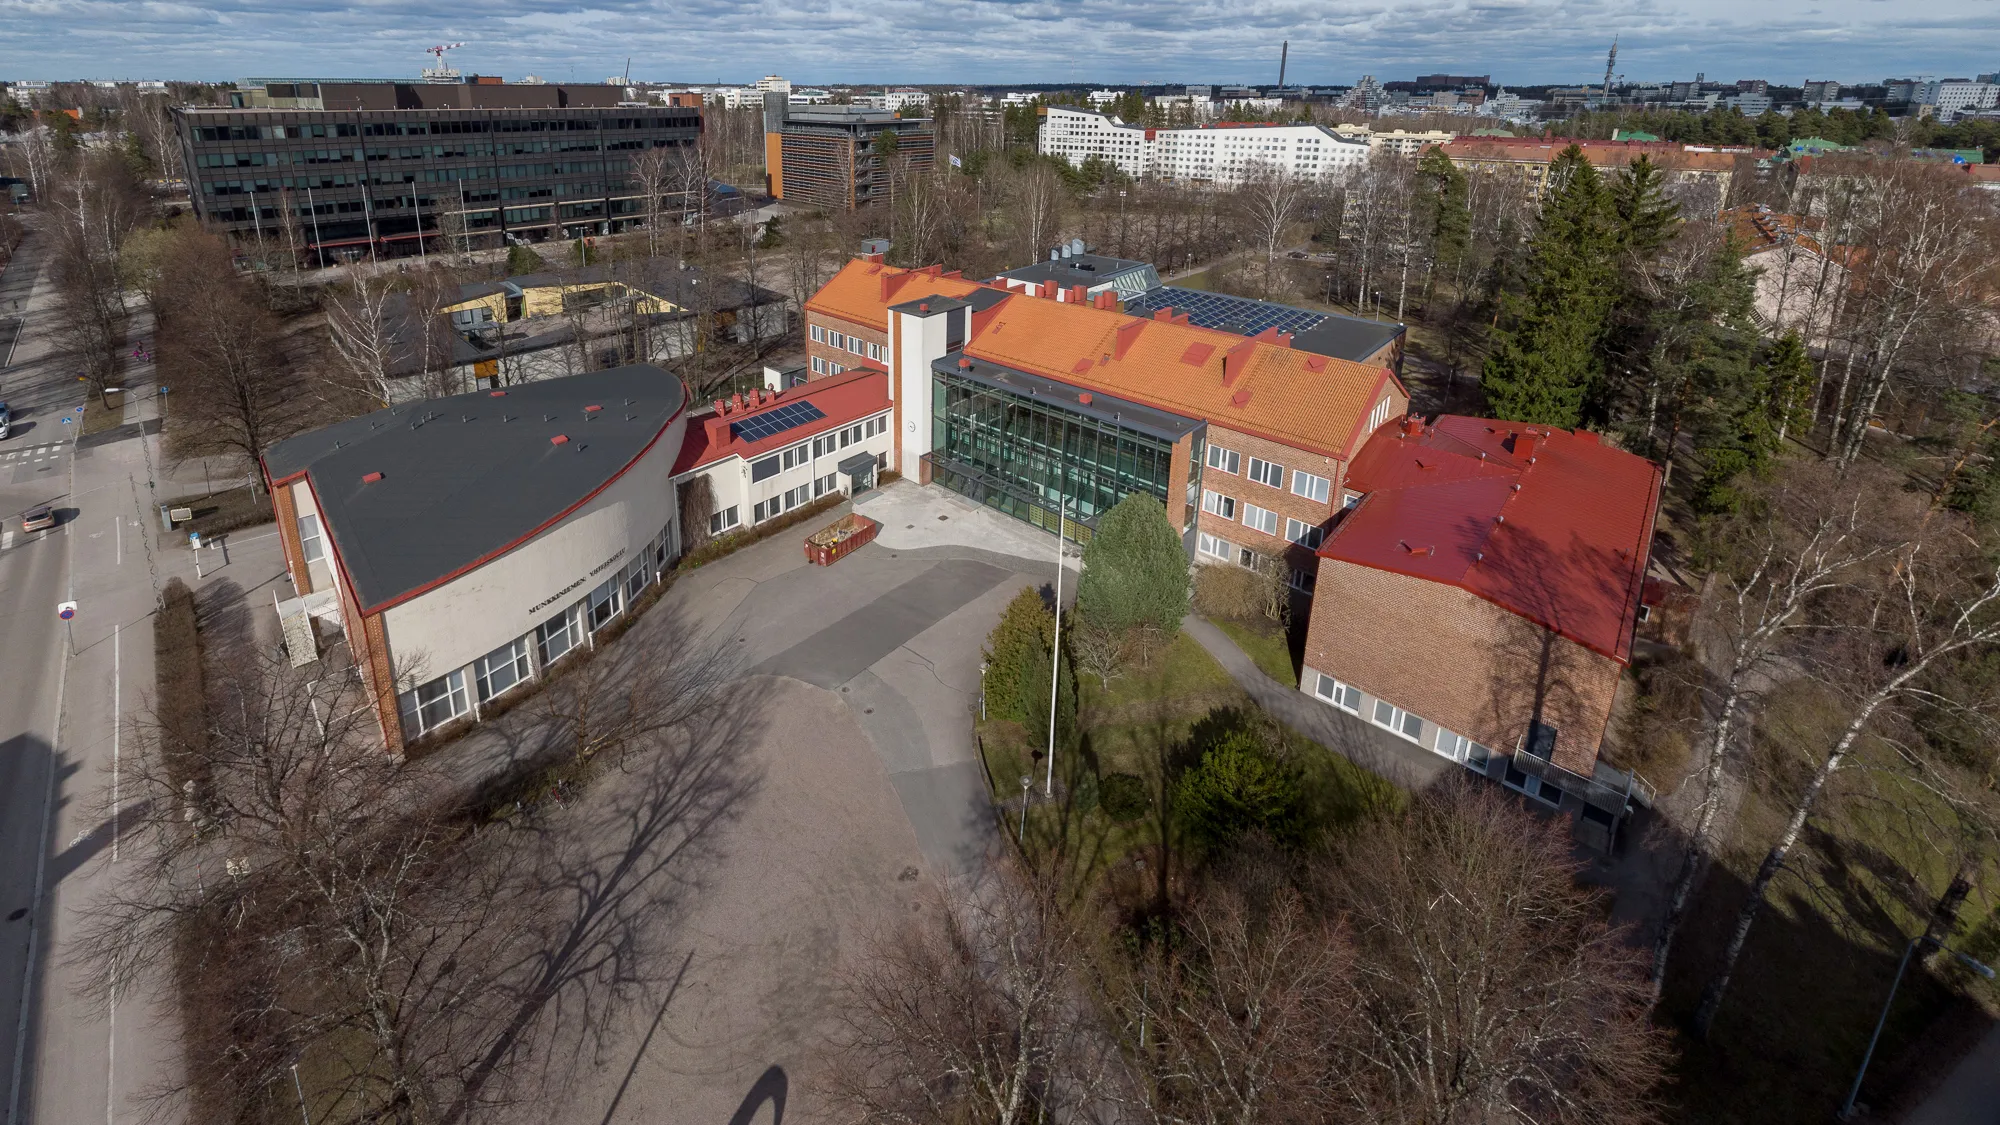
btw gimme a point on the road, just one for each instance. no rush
(67, 693)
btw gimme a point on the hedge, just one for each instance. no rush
(180, 691)
(735, 541)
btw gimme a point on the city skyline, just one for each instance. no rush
(1527, 42)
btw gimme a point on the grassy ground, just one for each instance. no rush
(226, 510)
(97, 417)
(1812, 978)
(1137, 726)
(1266, 645)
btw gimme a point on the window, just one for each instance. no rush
(605, 602)
(636, 576)
(1541, 740)
(309, 540)
(764, 508)
(1309, 486)
(558, 636)
(818, 366)
(1228, 460)
(1378, 416)
(796, 496)
(1245, 557)
(874, 426)
(501, 669)
(1266, 522)
(719, 522)
(427, 707)
(1350, 499)
(1303, 580)
(826, 484)
(1533, 786)
(1398, 721)
(1212, 547)
(765, 468)
(818, 334)
(1216, 504)
(1463, 750)
(1347, 697)
(1265, 472)
(798, 455)
(1303, 533)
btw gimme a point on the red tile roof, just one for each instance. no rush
(864, 289)
(844, 399)
(1550, 525)
(1256, 386)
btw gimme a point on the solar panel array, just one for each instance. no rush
(1220, 310)
(786, 417)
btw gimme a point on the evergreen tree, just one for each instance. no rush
(1546, 356)
(1135, 571)
(1647, 219)
(1444, 214)
(1238, 783)
(1017, 657)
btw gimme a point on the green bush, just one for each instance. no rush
(1235, 593)
(1238, 784)
(522, 260)
(1135, 571)
(1123, 797)
(1015, 650)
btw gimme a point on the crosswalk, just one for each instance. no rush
(29, 455)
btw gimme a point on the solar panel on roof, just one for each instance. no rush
(786, 417)
(1235, 314)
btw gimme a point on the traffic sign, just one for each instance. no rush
(66, 610)
(68, 421)
(79, 410)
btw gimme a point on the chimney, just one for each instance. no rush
(720, 406)
(1235, 360)
(1078, 295)
(1163, 315)
(1128, 334)
(1413, 426)
(1525, 444)
(1106, 299)
(736, 401)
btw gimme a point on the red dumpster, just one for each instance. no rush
(843, 537)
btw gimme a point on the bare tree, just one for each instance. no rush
(1033, 205)
(364, 341)
(93, 207)
(1807, 535)
(1930, 609)
(1228, 1017)
(654, 174)
(1270, 203)
(972, 1012)
(219, 345)
(1486, 985)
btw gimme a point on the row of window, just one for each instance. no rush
(846, 343)
(826, 367)
(1270, 473)
(432, 704)
(1438, 740)
(764, 468)
(433, 128)
(1263, 519)
(1302, 579)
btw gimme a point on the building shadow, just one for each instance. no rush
(25, 920)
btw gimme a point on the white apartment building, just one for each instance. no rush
(1221, 155)
(894, 100)
(1401, 142)
(771, 82)
(1954, 96)
(1104, 97)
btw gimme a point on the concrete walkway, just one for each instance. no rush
(1971, 1095)
(1375, 750)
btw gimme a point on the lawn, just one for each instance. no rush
(1137, 727)
(226, 510)
(1268, 646)
(97, 417)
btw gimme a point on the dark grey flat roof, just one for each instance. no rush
(1347, 337)
(1089, 270)
(468, 477)
(1148, 420)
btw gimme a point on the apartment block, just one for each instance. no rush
(841, 157)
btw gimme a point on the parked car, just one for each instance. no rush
(6, 422)
(35, 519)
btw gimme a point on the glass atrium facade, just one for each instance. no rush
(1022, 455)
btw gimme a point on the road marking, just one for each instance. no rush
(111, 997)
(6, 539)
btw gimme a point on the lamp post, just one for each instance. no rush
(1055, 648)
(1854, 1092)
(1021, 836)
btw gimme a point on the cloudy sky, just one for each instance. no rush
(997, 41)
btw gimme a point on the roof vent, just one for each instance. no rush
(965, 365)
(1084, 398)
(923, 306)
(370, 478)
(592, 409)
(559, 439)
(496, 394)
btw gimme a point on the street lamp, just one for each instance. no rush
(1027, 782)
(1984, 970)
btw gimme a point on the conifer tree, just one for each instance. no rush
(1546, 355)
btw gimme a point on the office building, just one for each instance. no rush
(1499, 569)
(332, 170)
(839, 156)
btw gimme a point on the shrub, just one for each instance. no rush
(1238, 784)
(1235, 593)
(522, 260)
(1135, 571)
(180, 689)
(1017, 647)
(1123, 797)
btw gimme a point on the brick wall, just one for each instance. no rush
(1457, 660)
(1281, 500)
(287, 511)
(841, 356)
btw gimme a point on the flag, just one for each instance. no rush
(955, 162)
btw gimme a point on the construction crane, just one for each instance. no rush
(441, 72)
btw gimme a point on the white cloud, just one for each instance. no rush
(1517, 41)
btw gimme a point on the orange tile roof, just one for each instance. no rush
(864, 289)
(1602, 154)
(1255, 386)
